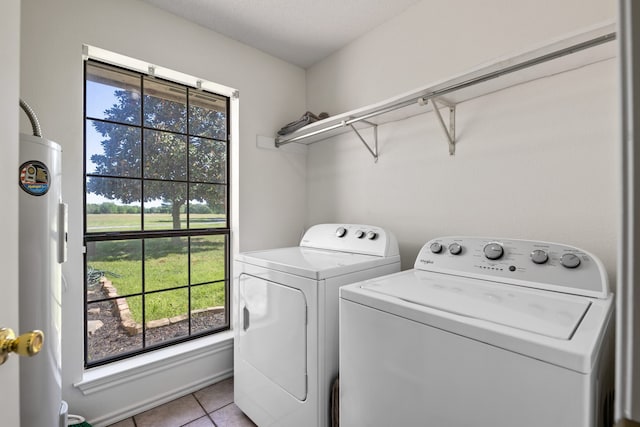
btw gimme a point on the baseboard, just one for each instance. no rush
(115, 416)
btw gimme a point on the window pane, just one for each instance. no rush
(114, 268)
(207, 160)
(164, 206)
(165, 156)
(156, 156)
(165, 106)
(166, 263)
(207, 207)
(207, 115)
(110, 331)
(166, 316)
(112, 149)
(113, 204)
(208, 307)
(208, 258)
(112, 95)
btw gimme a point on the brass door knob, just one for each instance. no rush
(27, 344)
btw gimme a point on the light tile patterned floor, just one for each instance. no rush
(210, 407)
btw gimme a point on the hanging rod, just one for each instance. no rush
(349, 122)
(596, 41)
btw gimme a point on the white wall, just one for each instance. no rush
(435, 39)
(271, 93)
(535, 161)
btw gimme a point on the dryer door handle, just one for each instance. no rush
(245, 318)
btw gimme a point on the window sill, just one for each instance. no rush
(104, 377)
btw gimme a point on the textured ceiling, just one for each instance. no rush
(301, 32)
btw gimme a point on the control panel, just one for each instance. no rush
(535, 264)
(354, 238)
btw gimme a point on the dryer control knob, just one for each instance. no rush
(570, 260)
(359, 234)
(539, 256)
(455, 249)
(372, 235)
(341, 231)
(493, 250)
(436, 247)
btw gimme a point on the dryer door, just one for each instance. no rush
(273, 332)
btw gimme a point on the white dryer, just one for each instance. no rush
(286, 328)
(482, 332)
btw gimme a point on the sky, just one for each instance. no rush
(100, 97)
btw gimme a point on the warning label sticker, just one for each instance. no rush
(34, 178)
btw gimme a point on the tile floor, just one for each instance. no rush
(209, 407)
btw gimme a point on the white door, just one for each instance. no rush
(9, 132)
(273, 332)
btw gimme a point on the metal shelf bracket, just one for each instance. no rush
(449, 132)
(374, 150)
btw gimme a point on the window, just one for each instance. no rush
(156, 226)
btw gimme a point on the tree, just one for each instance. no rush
(172, 160)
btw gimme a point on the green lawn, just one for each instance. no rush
(125, 222)
(166, 265)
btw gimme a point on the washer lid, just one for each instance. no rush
(545, 313)
(313, 263)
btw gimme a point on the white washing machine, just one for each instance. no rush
(480, 333)
(286, 328)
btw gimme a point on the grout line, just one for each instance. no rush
(199, 418)
(207, 414)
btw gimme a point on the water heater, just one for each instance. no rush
(43, 218)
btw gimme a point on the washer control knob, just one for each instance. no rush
(455, 249)
(570, 260)
(539, 256)
(341, 231)
(436, 247)
(372, 235)
(359, 234)
(493, 250)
